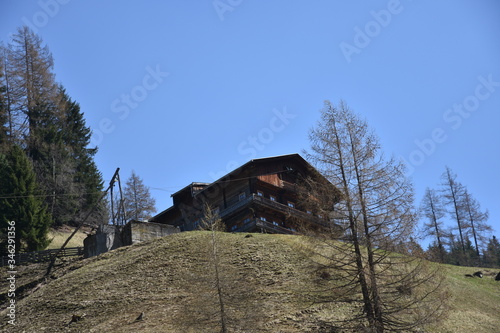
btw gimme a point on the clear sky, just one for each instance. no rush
(184, 91)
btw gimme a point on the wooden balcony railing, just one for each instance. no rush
(257, 199)
(264, 225)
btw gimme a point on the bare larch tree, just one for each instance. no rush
(476, 220)
(378, 214)
(138, 202)
(433, 210)
(453, 192)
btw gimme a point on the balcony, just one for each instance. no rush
(236, 206)
(263, 225)
(274, 205)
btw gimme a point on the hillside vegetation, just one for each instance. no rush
(59, 236)
(269, 284)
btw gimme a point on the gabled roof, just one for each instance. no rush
(295, 157)
(233, 175)
(189, 187)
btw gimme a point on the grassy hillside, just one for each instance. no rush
(59, 236)
(266, 282)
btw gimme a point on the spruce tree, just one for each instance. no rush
(492, 253)
(51, 128)
(20, 201)
(86, 177)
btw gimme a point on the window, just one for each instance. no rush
(260, 193)
(242, 196)
(309, 212)
(272, 197)
(263, 218)
(291, 204)
(276, 223)
(234, 227)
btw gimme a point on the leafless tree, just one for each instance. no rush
(453, 192)
(139, 204)
(32, 84)
(6, 92)
(212, 222)
(225, 300)
(476, 220)
(378, 214)
(433, 210)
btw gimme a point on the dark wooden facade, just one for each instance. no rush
(260, 196)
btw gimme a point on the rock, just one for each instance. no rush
(75, 318)
(141, 317)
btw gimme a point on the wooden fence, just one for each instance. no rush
(41, 256)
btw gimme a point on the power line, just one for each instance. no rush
(166, 189)
(14, 196)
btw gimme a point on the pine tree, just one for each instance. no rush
(492, 253)
(465, 255)
(20, 201)
(139, 204)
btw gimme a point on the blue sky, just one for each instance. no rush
(184, 91)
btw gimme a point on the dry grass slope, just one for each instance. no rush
(266, 280)
(59, 236)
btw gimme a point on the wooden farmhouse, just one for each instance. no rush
(263, 195)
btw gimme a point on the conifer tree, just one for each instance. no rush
(7, 96)
(377, 212)
(84, 178)
(453, 193)
(139, 204)
(51, 128)
(433, 211)
(33, 86)
(476, 221)
(3, 113)
(492, 253)
(20, 201)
